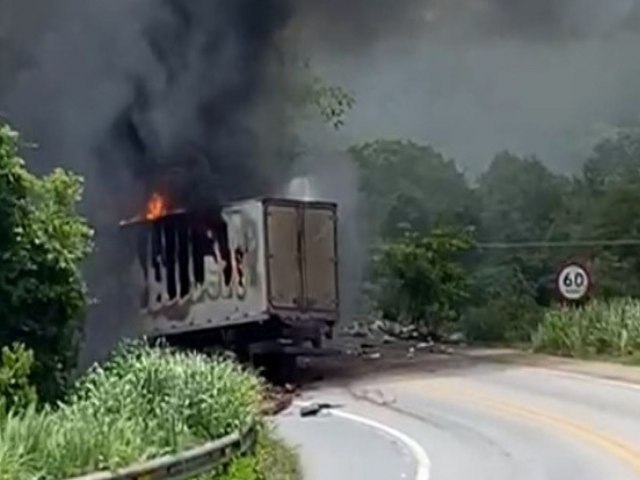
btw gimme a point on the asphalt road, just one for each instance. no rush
(472, 420)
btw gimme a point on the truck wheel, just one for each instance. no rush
(277, 368)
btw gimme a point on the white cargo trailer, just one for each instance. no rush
(256, 275)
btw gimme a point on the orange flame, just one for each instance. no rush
(156, 208)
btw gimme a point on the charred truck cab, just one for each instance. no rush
(259, 277)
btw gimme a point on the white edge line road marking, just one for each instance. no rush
(424, 464)
(422, 459)
(588, 378)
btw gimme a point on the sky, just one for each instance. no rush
(476, 77)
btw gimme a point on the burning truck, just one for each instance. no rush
(258, 277)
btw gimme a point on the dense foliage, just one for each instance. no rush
(420, 280)
(526, 221)
(43, 240)
(16, 391)
(409, 185)
(144, 403)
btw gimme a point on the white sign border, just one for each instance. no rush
(559, 275)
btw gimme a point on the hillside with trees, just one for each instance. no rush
(506, 234)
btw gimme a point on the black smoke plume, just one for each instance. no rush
(162, 92)
(145, 95)
(186, 126)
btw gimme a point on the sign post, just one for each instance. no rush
(573, 282)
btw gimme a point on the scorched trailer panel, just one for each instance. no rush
(250, 262)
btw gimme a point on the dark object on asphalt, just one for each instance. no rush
(310, 410)
(315, 408)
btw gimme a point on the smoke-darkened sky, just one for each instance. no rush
(362, 23)
(474, 77)
(470, 76)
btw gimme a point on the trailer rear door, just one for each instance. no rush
(320, 258)
(302, 255)
(284, 255)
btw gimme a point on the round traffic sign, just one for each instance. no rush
(573, 282)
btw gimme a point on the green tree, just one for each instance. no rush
(617, 216)
(43, 240)
(504, 301)
(312, 96)
(420, 279)
(310, 103)
(520, 199)
(405, 184)
(605, 205)
(615, 161)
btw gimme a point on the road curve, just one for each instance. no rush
(338, 445)
(476, 420)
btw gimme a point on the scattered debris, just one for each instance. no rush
(457, 338)
(373, 356)
(277, 400)
(442, 349)
(310, 410)
(379, 333)
(376, 396)
(315, 408)
(358, 330)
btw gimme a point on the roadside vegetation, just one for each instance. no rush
(598, 329)
(273, 459)
(43, 241)
(478, 257)
(144, 403)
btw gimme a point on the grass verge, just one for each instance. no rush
(145, 403)
(599, 329)
(272, 460)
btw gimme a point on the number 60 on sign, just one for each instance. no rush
(573, 282)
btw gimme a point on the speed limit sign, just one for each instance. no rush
(573, 282)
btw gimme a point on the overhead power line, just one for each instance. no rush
(626, 242)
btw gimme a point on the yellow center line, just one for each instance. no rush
(625, 452)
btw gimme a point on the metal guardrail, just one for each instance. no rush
(186, 464)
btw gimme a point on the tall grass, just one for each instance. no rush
(146, 402)
(600, 328)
